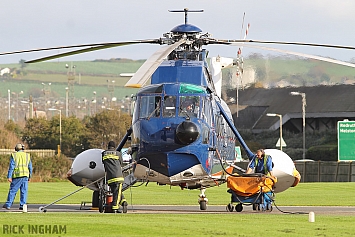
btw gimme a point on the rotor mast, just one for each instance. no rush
(186, 10)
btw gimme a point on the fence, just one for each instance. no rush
(39, 152)
(326, 171)
(322, 171)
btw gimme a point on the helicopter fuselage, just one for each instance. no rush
(177, 127)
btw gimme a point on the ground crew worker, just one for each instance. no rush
(112, 160)
(261, 163)
(19, 174)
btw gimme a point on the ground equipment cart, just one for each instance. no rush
(251, 189)
(105, 198)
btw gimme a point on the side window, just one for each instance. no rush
(149, 106)
(169, 108)
(205, 134)
(206, 111)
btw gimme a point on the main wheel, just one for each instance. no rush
(95, 198)
(102, 201)
(255, 206)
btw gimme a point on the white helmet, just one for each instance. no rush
(19, 146)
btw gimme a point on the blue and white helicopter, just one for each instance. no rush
(182, 132)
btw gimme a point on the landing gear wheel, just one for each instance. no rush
(239, 207)
(102, 201)
(95, 198)
(203, 205)
(101, 206)
(124, 207)
(229, 207)
(255, 206)
(269, 207)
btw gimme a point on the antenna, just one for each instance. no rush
(241, 31)
(186, 10)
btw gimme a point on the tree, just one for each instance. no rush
(36, 133)
(105, 126)
(8, 134)
(74, 135)
(40, 133)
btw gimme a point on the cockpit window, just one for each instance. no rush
(149, 106)
(152, 89)
(169, 108)
(189, 106)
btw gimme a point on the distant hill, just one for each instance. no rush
(94, 75)
(90, 76)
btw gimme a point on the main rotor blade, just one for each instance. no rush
(79, 46)
(96, 47)
(217, 41)
(299, 54)
(93, 47)
(151, 64)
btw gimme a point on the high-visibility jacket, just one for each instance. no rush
(22, 160)
(267, 169)
(112, 160)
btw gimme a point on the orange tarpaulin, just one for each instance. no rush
(248, 186)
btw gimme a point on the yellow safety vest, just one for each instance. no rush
(22, 159)
(266, 157)
(110, 155)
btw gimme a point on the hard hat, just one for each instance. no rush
(19, 146)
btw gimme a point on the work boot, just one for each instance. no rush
(124, 206)
(115, 209)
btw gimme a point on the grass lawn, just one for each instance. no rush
(232, 224)
(305, 194)
(199, 224)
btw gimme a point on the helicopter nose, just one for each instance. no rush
(187, 132)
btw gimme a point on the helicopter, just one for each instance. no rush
(182, 131)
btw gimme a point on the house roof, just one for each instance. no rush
(321, 102)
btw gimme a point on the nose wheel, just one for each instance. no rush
(203, 205)
(202, 200)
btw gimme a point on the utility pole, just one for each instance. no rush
(303, 119)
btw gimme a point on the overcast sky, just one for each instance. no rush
(41, 23)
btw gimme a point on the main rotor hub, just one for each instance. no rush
(186, 28)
